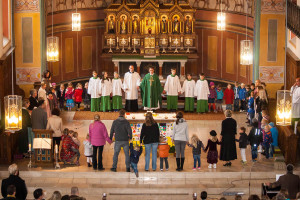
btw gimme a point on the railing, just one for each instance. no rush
(293, 17)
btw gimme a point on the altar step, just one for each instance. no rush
(150, 185)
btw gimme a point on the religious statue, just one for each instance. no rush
(111, 25)
(123, 25)
(188, 26)
(176, 25)
(135, 25)
(164, 25)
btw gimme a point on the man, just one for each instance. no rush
(122, 132)
(39, 116)
(173, 90)
(131, 85)
(289, 181)
(14, 179)
(38, 194)
(151, 90)
(75, 194)
(94, 91)
(11, 193)
(295, 93)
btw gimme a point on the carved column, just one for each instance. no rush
(138, 66)
(182, 70)
(116, 67)
(160, 64)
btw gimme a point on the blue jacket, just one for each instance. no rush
(251, 105)
(135, 155)
(236, 92)
(274, 133)
(242, 93)
(220, 94)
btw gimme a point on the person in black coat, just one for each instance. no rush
(14, 179)
(23, 133)
(243, 142)
(61, 96)
(255, 137)
(228, 132)
(33, 99)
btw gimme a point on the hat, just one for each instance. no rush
(38, 193)
(272, 124)
(213, 133)
(211, 83)
(53, 84)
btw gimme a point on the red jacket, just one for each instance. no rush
(163, 150)
(78, 95)
(228, 96)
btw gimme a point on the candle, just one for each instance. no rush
(110, 41)
(170, 39)
(117, 39)
(134, 41)
(29, 147)
(129, 39)
(181, 39)
(56, 148)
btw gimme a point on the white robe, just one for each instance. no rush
(42, 93)
(202, 90)
(188, 88)
(105, 87)
(117, 87)
(130, 84)
(94, 88)
(295, 93)
(172, 85)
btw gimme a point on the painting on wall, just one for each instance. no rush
(28, 75)
(271, 74)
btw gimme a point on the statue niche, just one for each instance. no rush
(135, 25)
(123, 22)
(164, 25)
(176, 25)
(111, 24)
(188, 25)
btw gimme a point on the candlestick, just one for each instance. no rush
(117, 39)
(56, 148)
(29, 147)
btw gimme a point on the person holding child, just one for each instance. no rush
(196, 144)
(163, 148)
(243, 142)
(212, 155)
(66, 153)
(88, 150)
(135, 153)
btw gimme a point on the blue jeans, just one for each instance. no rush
(254, 151)
(197, 158)
(134, 167)
(154, 155)
(272, 151)
(267, 149)
(228, 106)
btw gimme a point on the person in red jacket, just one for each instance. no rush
(78, 95)
(163, 148)
(228, 97)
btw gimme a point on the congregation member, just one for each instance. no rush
(180, 139)
(98, 138)
(236, 101)
(212, 97)
(86, 97)
(121, 131)
(88, 150)
(255, 138)
(70, 96)
(47, 80)
(39, 117)
(173, 89)
(274, 132)
(228, 97)
(61, 92)
(33, 99)
(196, 144)
(131, 85)
(295, 93)
(43, 94)
(242, 97)
(56, 125)
(188, 90)
(261, 102)
(75, 194)
(51, 102)
(150, 138)
(202, 92)
(55, 196)
(67, 155)
(105, 91)
(251, 109)
(11, 193)
(163, 149)
(219, 100)
(135, 153)
(267, 140)
(26, 127)
(15, 180)
(212, 155)
(116, 93)
(94, 91)
(78, 95)
(228, 132)
(38, 194)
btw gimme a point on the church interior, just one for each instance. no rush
(133, 55)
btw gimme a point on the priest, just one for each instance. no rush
(151, 90)
(173, 89)
(94, 91)
(131, 85)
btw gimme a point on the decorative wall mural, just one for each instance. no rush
(271, 74)
(28, 75)
(26, 6)
(273, 6)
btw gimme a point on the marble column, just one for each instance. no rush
(182, 70)
(138, 66)
(160, 64)
(116, 67)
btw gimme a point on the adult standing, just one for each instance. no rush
(122, 132)
(131, 85)
(14, 179)
(180, 138)
(39, 116)
(228, 132)
(23, 133)
(33, 99)
(94, 91)
(56, 125)
(295, 92)
(98, 137)
(150, 137)
(47, 80)
(43, 94)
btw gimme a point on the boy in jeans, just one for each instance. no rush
(243, 141)
(255, 137)
(134, 157)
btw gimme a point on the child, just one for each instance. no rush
(116, 93)
(264, 114)
(228, 97)
(212, 155)
(69, 96)
(188, 90)
(53, 91)
(220, 96)
(61, 96)
(243, 141)
(263, 124)
(88, 150)
(163, 148)
(94, 90)
(76, 147)
(51, 103)
(202, 92)
(172, 89)
(197, 144)
(134, 157)
(252, 87)
(267, 140)
(78, 95)
(255, 138)
(105, 90)
(242, 97)
(236, 101)
(274, 132)
(86, 97)
(54, 87)
(211, 98)
(251, 111)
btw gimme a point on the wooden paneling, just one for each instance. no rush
(230, 51)
(212, 53)
(87, 52)
(69, 55)
(293, 69)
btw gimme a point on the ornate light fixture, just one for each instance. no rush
(52, 45)
(76, 20)
(284, 108)
(221, 21)
(13, 112)
(246, 54)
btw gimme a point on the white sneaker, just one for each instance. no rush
(215, 166)
(209, 166)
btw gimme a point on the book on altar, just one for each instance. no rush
(42, 143)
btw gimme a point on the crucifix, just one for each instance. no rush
(151, 80)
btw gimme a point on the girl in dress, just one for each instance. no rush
(105, 90)
(212, 155)
(70, 96)
(78, 95)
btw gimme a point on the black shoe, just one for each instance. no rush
(101, 169)
(113, 169)
(182, 163)
(229, 164)
(178, 164)
(127, 169)
(89, 165)
(94, 168)
(226, 165)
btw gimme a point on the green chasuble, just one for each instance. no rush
(151, 90)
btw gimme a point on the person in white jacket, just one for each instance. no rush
(173, 89)
(94, 91)
(116, 93)
(202, 92)
(88, 150)
(188, 90)
(56, 125)
(105, 91)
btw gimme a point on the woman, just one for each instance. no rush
(228, 132)
(33, 99)
(150, 137)
(98, 138)
(66, 153)
(55, 124)
(47, 80)
(180, 138)
(55, 196)
(261, 103)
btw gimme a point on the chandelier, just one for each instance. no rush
(52, 45)
(13, 112)
(221, 21)
(76, 20)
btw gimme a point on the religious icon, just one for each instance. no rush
(188, 25)
(123, 25)
(164, 25)
(135, 25)
(176, 25)
(111, 25)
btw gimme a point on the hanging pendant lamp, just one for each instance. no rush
(52, 45)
